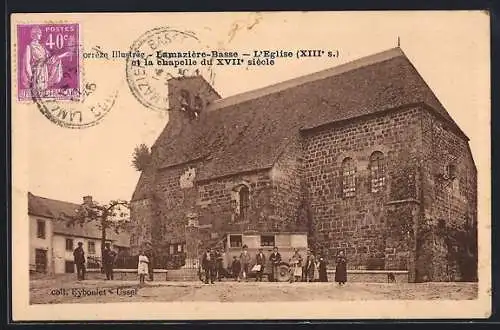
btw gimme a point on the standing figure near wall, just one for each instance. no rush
(296, 270)
(245, 262)
(341, 269)
(309, 267)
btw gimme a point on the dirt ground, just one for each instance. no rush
(54, 291)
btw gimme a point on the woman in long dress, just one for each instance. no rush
(323, 277)
(341, 269)
(142, 267)
(296, 270)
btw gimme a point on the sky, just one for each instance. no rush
(450, 51)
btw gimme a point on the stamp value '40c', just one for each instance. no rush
(48, 61)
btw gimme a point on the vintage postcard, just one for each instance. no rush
(251, 165)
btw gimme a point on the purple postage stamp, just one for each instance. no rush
(48, 61)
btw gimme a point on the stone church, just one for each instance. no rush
(362, 156)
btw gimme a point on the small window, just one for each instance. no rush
(179, 247)
(377, 171)
(244, 195)
(348, 178)
(267, 240)
(235, 241)
(91, 247)
(69, 244)
(40, 229)
(185, 100)
(198, 106)
(171, 249)
(41, 260)
(451, 171)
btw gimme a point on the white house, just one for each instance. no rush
(52, 239)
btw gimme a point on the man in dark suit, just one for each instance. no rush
(219, 268)
(108, 261)
(79, 256)
(309, 267)
(208, 263)
(260, 260)
(150, 254)
(275, 260)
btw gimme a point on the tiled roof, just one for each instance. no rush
(248, 131)
(61, 212)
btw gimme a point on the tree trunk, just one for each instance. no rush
(103, 243)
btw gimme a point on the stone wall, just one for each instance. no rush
(358, 225)
(141, 213)
(199, 213)
(449, 226)
(288, 194)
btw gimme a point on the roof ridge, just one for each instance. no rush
(297, 81)
(52, 199)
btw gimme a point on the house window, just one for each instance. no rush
(69, 244)
(91, 247)
(171, 249)
(40, 261)
(377, 171)
(235, 241)
(267, 240)
(244, 196)
(40, 229)
(348, 178)
(179, 247)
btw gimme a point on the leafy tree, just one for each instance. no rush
(141, 158)
(113, 215)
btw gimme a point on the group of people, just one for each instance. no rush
(311, 270)
(108, 261)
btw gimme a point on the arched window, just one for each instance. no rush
(198, 106)
(185, 100)
(244, 196)
(348, 177)
(377, 171)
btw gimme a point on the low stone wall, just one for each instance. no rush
(371, 276)
(126, 274)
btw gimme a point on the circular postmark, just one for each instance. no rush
(159, 55)
(84, 109)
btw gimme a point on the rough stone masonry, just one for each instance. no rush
(362, 156)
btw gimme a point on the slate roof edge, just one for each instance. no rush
(315, 76)
(385, 111)
(372, 114)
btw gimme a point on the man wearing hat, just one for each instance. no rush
(260, 260)
(208, 264)
(79, 256)
(108, 261)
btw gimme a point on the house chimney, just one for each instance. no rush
(87, 200)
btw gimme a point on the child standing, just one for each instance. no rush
(142, 267)
(236, 268)
(245, 262)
